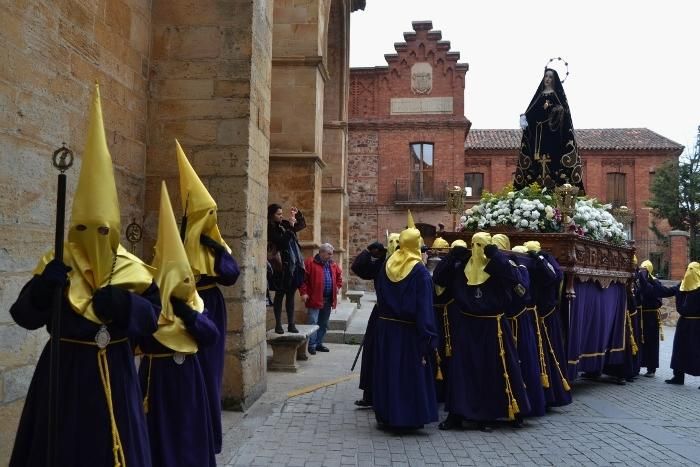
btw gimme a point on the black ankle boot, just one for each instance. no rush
(675, 380)
(452, 422)
(279, 329)
(291, 328)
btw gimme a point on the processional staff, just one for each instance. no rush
(62, 160)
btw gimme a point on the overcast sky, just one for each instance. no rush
(632, 63)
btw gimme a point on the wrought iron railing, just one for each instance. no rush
(414, 191)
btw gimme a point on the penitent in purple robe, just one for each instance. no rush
(179, 423)
(546, 276)
(686, 341)
(651, 291)
(85, 436)
(366, 267)
(211, 358)
(521, 317)
(483, 349)
(405, 339)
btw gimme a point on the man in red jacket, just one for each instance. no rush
(319, 291)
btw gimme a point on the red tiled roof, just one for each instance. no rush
(639, 139)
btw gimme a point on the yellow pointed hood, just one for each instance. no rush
(459, 242)
(95, 221)
(440, 243)
(175, 278)
(93, 250)
(691, 279)
(402, 261)
(501, 241)
(200, 208)
(646, 264)
(519, 249)
(474, 270)
(533, 245)
(392, 243)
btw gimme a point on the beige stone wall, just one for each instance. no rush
(199, 71)
(210, 88)
(51, 54)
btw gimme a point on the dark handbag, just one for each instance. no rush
(274, 258)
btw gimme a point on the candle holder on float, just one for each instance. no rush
(565, 201)
(455, 204)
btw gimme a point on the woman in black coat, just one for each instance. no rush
(284, 255)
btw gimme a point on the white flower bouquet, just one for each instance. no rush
(533, 209)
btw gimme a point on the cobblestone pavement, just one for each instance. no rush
(643, 423)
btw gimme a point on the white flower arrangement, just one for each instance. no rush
(533, 209)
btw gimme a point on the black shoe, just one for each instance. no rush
(452, 422)
(279, 329)
(484, 427)
(363, 403)
(293, 329)
(322, 348)
(650, 373)
(312, 351)
(675, 380)
(620, 381)
(518, 422)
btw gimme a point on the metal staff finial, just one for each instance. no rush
(134, 233)
(62, 158)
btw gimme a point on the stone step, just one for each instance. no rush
(341, 316)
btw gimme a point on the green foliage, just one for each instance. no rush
(675, 196)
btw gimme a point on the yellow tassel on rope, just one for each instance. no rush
(446, 327)
(661, 327)
(633, 341)
(117, 448)
(438, 375)
(565, 383)
(545, 380)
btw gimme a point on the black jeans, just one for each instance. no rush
(289, 306)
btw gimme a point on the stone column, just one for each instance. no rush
(334, 201)
(210, 88)
(299, 73)
(679, 254)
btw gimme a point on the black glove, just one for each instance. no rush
(112, 304)
(490, 251)
(184, 312)
(375, 246)
(460, 253)
(54, 276)
(211, 243)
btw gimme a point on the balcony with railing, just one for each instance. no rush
(416, 193)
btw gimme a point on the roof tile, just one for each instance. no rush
(639, 139)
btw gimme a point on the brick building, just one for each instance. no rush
(409, 141)
(407, 130)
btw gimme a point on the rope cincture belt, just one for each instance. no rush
(630, 329)
(658, 319)
(103, 367)
(438, 376)
(564, 382)
(206, 287)
(402, 321)
(151, 356)
(446, 327)
(513, 408)
(544, 377)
